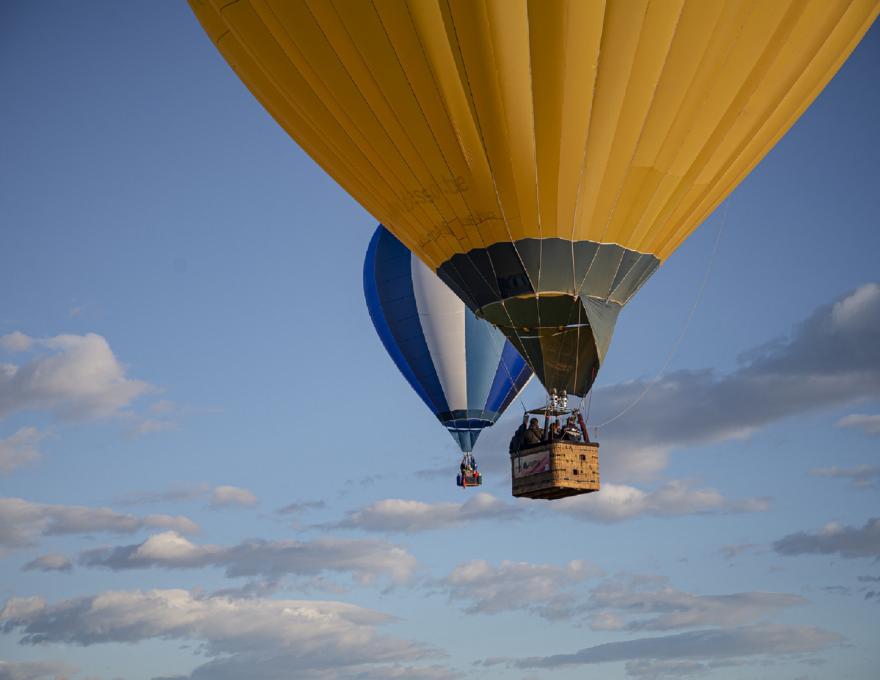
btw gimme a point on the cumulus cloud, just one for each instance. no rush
(632, 603)
(832, 358)
(396, 514)
(861, 476)
(541, 589)
(365, 560)
(23, 522)
(226, 496)
(50, 562)
(15, 342)
(744, 642)
(834, 539)
(618, 502)
(651, 604)
(250, 637)
(77, 377)
(35, 670)
(20, 449)
(869, 424)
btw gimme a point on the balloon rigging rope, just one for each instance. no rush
(677, 345)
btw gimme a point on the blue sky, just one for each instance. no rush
(172, 377)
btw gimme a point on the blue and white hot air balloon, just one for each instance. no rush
(461, 366)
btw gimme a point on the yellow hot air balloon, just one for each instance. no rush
(543, 156)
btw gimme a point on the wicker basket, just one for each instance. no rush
(555, 470)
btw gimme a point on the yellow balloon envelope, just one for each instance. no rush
(542, 156)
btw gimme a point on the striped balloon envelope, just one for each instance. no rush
(462, 367)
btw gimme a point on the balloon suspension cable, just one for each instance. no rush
(677, 345)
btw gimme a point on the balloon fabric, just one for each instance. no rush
(542, 156)
(462, 368)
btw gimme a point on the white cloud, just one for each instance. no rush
(651, 604)
(50, 562)
(857, 309)
(16, 342)
(365, 560)
(35, 670)
(834, 539)
(225, 496)
(80, 377)
(747, 642)
(396, 514)
(23, 522)
(831, 359)
(254, 636)
(861, 476)
(867, 423)
(19, 449)
(623, 603)
(542, 589)
(618, 502)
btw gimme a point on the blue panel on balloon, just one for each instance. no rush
(462, 367)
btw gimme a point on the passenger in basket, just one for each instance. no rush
(534, 434)
(572, 432)
(516, 441)
(556, 431)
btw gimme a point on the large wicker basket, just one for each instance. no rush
(555, 470)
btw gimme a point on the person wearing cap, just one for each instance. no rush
(571, 433)
(534, 435)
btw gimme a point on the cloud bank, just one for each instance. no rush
(834, 539)
(258, 638)
(632, 603)
(619, 502)
(832, 358)
(861, 476)
(35, 670)
(649, 603)
(737, 643)
(249, 637)
(867, 423)
(50, 562)
(22, 523)
(364, 560)
(541, 589)
(408, 516)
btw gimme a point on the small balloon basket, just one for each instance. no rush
(469, 479)
(555, 470)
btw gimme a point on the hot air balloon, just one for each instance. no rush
(461, 367)
(542, 156)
